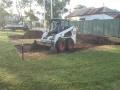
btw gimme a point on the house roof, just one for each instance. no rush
(118, 16)
(80, 7)
(92, 11)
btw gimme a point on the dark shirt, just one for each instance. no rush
(59, 28)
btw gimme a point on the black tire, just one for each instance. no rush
(69, 45)
(60, 45)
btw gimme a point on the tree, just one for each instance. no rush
(58, 8)
(21, 6)
(3, 13)
(31, 17)
(6, 3)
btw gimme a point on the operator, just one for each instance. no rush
(59, 27)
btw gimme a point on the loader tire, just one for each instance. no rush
(69, 45)
(61, 45)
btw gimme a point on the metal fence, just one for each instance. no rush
(99, 27)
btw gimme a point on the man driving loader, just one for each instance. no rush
(61, 36)
(59, 27)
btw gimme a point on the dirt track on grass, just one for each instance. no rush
(28, 35)
(83, 42)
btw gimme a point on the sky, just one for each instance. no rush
(113, 4)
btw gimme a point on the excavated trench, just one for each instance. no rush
(83, 42)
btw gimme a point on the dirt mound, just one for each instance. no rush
(28, 35)
(15, 37)
(92, 39)
(33, 34)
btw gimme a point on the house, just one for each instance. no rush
(12, 18)
(84, 13)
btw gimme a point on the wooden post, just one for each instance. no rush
(22, 49)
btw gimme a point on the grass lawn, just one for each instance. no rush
(81, 70)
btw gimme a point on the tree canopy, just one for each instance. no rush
(21, 5)
(58, 7)
(3, 13)
(6, 3)
(31, 15)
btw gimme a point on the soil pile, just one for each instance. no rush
(92, 39)
(28, 35)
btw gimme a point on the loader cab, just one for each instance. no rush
(62, 35)
(59, 25)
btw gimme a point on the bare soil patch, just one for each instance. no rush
(83, 42)
(41, 53)
(106, 47)
(33, 35)
(28, 48)
(93, 39)
(36, 55)
(28, 35)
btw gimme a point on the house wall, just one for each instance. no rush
(92, 17)
(12, 18)
(97, 16)
(75, 18)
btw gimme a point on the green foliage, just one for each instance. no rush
(21, 5)
(26, 3)
(58, 8)
(3, 15)
(31, 16)
(6, 3)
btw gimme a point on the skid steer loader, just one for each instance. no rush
(61, 36)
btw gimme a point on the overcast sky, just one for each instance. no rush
(113, 4)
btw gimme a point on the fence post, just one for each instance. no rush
(22, 51)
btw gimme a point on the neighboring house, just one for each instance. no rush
(13, 18)
(8, 19)
(84, 13)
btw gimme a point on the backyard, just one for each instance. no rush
(96, 68)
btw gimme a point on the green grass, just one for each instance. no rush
(81, 70)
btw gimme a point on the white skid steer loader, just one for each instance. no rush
(61, 37)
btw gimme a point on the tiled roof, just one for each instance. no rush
(91, 11)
